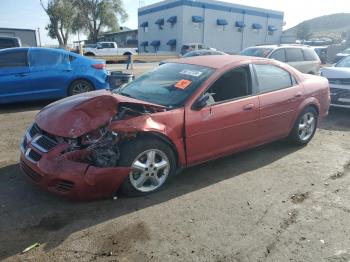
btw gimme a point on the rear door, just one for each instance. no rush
(295, 58)
(14, 75)
(228, 123)
(50, 72)
(279, 55)
(313, 61)
(280, 96)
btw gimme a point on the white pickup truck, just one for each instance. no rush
(108, 48)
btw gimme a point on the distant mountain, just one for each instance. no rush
(334, 26)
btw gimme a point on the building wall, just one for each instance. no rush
(28, 37)
(225, 38)
(167, 33)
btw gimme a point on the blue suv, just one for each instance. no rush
(42, 73)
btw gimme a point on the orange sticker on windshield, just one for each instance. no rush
(183, 84)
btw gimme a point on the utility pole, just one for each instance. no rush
(39, 36)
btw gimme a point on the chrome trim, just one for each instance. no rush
(26, 155)
(21, 145)
(39, 147)
(342, 106)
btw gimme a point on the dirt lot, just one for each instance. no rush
(274, 203)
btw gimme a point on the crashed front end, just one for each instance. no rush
(60, 166)
(73, 147)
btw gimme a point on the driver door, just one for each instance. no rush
(229, 121)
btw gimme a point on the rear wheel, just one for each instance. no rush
(305, 127)
(80, 86)
(153, 164)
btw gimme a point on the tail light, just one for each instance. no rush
(99, 66)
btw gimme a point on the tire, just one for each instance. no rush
(148, 176)
(89, 54)
(80, 86)
(305, 127)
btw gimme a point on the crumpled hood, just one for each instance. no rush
(336, 72)
(80, 114)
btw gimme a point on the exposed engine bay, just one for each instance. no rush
(101, 147)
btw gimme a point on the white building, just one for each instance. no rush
(167, 25)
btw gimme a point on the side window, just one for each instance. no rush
(40, 58)
(310, 55)
(231, 85)
(272, 78)
(105, 45)
(6, 43)
(14, 59)
(279, 55)
(294, 55)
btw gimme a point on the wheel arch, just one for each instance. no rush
(310, 102)
(165, 139)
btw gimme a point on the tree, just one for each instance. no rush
(63, 16)
(99, 15)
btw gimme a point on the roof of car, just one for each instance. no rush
(280, 46)
(216, 61)
(16, 49)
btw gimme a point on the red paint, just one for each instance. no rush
(196, 136)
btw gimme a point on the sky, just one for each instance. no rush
(29, 14)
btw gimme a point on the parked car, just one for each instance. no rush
(300, 57)
(322, 52)
(108, 48)
(203, 52)
(41, 73)
(194, 47)
(341, 55)
(181, 114)
(8, 42)
(339, 81)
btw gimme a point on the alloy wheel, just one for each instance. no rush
(150, 170)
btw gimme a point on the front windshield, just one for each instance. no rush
(259, 52)
(345, 62)
(170, 84)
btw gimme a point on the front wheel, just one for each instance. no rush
(152, 162)
(305, 127)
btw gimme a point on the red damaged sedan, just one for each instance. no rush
(183, 113)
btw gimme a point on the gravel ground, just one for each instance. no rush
(273, 203)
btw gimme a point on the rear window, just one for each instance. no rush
(259, 52)
(184, 47)
(310, 55)
(8, 43)
(294, 55)
(14, 59)
(272, 78)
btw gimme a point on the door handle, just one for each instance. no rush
(248, 107)
(67, 70)
(21, 74)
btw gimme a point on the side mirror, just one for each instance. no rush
(201, 102)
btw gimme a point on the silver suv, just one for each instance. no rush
(301, 57)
